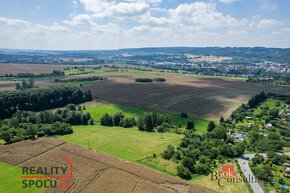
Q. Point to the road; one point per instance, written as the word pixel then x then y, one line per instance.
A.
pixel 244 165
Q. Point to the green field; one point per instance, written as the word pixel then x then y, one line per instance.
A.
pixel 107 71
pixel 97 112
pixel 125 143
pixel 10 181
pixel 75 71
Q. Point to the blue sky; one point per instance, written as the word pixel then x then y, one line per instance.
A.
pixel 113 24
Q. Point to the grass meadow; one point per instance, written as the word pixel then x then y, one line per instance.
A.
pixel 10 180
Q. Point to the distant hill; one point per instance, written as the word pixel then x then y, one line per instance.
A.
pixel 238 54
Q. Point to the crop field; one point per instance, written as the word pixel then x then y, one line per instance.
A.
pixel 92 171
pixel 205 98
pixel 29 68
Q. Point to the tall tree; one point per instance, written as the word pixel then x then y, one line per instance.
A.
pixel 210 126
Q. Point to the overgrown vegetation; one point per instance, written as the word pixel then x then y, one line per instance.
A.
pixel 150 80
pixel 27 124
pixel 80 79
pixel 263 121
pixel 32 75
pixel 150 121
pixel 37 99
pixel 117 120
pixel 25 84
pixel 198 154
pixel 271 170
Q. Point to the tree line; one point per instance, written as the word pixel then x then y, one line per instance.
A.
pixel 117 120
pixel 151 121
pixel 257 99
pixel 82 79
pixel 27 124
pixel 25 84
pixel 32 75
pixel 37 99
pixel 150 80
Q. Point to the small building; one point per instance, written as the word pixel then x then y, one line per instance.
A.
pixel 283 122
pixel 240 136
pixel 268 126
pixel 287 175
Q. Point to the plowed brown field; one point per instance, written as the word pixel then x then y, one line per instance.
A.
pixel 208 98
pixel 93 172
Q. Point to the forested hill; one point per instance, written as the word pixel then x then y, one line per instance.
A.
pixel 239 54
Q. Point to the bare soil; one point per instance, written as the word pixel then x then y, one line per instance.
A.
pixel 207 98
pixel 92 171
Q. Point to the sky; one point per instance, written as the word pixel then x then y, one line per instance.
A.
pixel 114 24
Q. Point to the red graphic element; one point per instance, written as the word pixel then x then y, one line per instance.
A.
pixel 228 170
pixel 65 184
pixel 55 177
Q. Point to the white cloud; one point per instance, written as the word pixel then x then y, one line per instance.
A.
pixel 286 30
pixel 46 29
pixel 129 9
pixel 80 19
pixel 148 28
pixel 95 5
pixel 268 23
pixel 154 21
pixel 154 1
pixel 103 8
pixel 228 1
pixel 146 1
pixel 139 23
pixel 109 28
pixel 13 22
pixel 202 14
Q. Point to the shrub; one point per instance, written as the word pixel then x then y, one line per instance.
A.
pixel 168 153
pixel 183 172
pixel 106 120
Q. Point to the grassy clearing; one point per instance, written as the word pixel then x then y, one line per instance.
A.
pixel 206 181
pixel 11 181
pixel 271 103
pixel 99 110
pixel 125 143
pixel 160 164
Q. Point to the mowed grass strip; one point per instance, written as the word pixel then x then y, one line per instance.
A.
pixel 98 111
pixel 125 143
pixel 232 187
pixel 11 182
